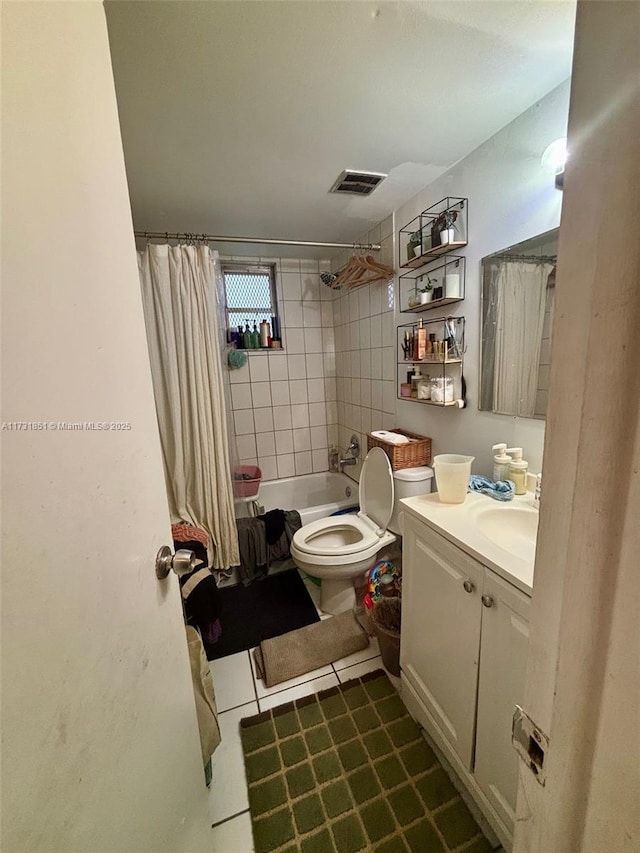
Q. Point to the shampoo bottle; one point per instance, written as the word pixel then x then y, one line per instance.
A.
pixel 500 462
pixel 518 470
pixel 246 337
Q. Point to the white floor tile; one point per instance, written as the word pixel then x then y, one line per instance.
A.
pixel 306 689
pixel 360 669
pixel 232 681
pixel 228 791
pixel 263 691
pixel 234 836
pixel 372 651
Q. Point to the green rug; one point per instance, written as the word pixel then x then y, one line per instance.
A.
pixel 348 770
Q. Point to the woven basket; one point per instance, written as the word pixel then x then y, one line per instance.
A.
pixel 412 455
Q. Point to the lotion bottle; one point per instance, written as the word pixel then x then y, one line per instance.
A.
pixel 500 462
pixel 518 470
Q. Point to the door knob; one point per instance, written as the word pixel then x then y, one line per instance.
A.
pixel 183 562
pixel 487 600
pixel 469 586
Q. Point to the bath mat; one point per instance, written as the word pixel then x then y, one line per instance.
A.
pixel 348 770
pixel 268 608
pixel 309 648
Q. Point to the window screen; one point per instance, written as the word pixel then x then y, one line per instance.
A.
pixel 250 293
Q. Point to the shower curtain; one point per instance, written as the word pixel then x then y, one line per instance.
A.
pixel 520 299
pixel 178 294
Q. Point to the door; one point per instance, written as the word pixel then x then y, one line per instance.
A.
pixel 100 741
pixel 504 649
pixel 441 632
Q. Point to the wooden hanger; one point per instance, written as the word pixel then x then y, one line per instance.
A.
pixel 360 270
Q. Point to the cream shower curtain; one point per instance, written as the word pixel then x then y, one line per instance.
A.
pixel 520 300
pixel 178 294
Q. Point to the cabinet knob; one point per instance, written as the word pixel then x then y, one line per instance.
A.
pixel 469 586
pixel 487 600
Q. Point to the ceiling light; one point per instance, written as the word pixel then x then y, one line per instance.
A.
pixel 554 158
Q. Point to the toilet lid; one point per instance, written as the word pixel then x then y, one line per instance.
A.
pixel 376 488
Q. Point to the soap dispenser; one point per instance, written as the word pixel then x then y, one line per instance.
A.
pixel 500 462
pixel 518 470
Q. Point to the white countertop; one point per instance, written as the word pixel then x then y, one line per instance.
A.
pixel 455 523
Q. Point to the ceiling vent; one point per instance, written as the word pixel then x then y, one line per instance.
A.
pixel 357 183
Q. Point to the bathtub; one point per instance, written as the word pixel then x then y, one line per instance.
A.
pixel 313 495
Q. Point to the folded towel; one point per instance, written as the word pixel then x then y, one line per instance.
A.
pixel 502 490
pixel 391 437
pixel 309 648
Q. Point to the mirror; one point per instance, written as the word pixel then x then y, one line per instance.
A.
pixel 518 294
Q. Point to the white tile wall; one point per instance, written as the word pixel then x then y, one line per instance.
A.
pixel 334 377
pixel 365 356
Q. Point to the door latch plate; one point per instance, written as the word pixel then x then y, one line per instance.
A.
pixel 530 742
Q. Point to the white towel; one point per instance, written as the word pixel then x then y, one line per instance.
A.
pixel 391 437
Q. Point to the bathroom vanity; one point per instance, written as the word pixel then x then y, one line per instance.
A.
pixel 467 582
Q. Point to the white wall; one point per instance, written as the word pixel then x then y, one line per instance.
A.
pixel 284 401
pixel 511 199
pixel 365 352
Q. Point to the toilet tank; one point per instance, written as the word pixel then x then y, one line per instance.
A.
pixel 407 483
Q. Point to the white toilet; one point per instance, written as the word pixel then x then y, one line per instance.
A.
pixel 340 548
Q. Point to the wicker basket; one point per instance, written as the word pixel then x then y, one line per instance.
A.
pixel 412 455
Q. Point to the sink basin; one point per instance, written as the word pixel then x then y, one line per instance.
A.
pixel 513 528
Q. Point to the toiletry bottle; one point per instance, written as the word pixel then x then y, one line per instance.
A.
pixel 518 470
pixel 265 334
pixel 255 337
pixel 417 376
pixel 246 337
pixel 422 341
pixel 500 462
pixel 538 492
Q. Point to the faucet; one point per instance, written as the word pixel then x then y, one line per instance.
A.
pixel 352 454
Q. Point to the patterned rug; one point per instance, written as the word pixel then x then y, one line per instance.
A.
pixel 348 770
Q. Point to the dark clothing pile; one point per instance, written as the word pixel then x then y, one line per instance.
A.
pixel 264 539
pixel 200 595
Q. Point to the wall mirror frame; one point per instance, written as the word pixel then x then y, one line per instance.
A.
pixel 518 296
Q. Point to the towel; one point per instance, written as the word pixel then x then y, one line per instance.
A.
pixel 390 437
pixel 502 490
pixel 307 649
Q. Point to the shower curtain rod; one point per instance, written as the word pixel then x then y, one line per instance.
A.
pixel 210 238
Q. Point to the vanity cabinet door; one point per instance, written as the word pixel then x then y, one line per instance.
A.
pixel 440 639
pixel 503 664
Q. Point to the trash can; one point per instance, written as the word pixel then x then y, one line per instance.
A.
pixel 385 618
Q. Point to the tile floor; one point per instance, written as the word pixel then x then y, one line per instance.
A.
pixel 239 694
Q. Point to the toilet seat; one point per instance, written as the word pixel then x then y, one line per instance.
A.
pixel 346 538
pixel 340 534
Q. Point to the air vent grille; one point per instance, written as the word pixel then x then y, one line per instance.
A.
pixel 357 183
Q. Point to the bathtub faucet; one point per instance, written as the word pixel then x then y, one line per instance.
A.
pixel 352 454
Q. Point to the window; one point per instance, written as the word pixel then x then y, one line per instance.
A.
pixel 250 293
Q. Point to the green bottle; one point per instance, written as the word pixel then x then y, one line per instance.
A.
pixel 247 337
